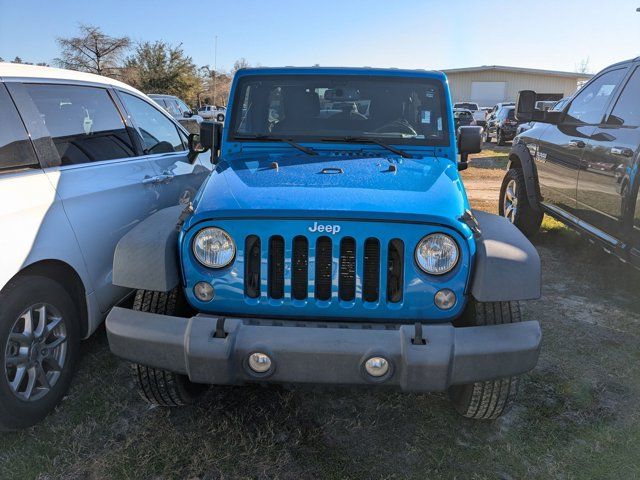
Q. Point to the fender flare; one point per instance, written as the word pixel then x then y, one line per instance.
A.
pixel 521 156
pixel 147 256
pixel 507 265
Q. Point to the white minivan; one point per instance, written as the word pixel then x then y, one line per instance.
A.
pixel 83 159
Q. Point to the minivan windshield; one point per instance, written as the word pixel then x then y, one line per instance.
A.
pixel 323 107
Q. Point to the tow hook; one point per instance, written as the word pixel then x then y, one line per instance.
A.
pixel 220 333
pixel 417 337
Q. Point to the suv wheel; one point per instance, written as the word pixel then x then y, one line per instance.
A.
pixel 157 386
pixel 514 203
pixel 40 340
pixel 500 138
pixel 220 117
pixel 487 400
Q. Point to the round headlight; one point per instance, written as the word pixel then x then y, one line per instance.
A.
pixel 437 254
pixel 213 247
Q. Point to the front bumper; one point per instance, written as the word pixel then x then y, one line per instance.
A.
pixel 323 352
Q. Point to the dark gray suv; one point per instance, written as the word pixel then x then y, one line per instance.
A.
pixel 580 164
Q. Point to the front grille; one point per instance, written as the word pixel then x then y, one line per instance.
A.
pixel 347 275
pixel 350 259
pixel 276 267
pixel 324 264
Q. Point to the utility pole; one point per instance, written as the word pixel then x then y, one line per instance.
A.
pixel 215 67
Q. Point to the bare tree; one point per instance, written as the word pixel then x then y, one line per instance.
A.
pixel 583 66
pixel 240 63
pixel 93 51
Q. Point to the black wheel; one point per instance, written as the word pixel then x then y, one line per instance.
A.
pixel 220 117
pixel 487 400
pixel 157 386
pixel 500 138
pixel 40 340
pixel 514 203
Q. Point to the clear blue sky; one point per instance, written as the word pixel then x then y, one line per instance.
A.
pixel 554 34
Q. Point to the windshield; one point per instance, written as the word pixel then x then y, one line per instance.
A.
pixel 315 107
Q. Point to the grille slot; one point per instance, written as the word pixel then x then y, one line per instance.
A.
pixel 300 268
pixel 347 271
pixel 276 267
pixel 252 266
pixel 395 271
pixel 323 268
pixel 371 270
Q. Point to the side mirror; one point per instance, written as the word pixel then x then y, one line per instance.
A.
pixel 526 106
pixel 187 114
pixel 211 138
pixel 526 109
pixel 469 141
pixel 195 144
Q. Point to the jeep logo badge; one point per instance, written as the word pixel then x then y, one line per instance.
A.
pixel 332 229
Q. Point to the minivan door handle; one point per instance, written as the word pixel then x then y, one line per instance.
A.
pixel 150 180
pixel 622 152
pixel 577 144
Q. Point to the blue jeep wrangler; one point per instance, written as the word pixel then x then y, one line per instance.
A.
pixel 333 243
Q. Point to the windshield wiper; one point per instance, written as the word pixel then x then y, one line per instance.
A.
pixel 375 141
pixel 269 138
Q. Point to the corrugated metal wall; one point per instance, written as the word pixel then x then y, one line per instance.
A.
pixel 460 83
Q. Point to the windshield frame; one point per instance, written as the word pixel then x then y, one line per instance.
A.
pixel 233 135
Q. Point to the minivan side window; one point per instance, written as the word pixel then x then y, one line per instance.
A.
pixel 83 122
pixel 16 150
pixel 589 104
pixel 158 133
pixel 627 109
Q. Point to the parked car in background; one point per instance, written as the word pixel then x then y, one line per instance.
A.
pixel 474 108
pixel 462 118
pixel 212 112
pixel 83 159
pixel 580 163
pixel 502 125
pixel 179 110
pixel 556 107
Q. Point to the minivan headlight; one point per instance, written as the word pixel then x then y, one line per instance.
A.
pixel 213 247
pixel 437 254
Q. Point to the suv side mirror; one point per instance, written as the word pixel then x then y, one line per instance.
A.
pixel 187 114
pixel 211 138
pixel 469 141
pixel 526 110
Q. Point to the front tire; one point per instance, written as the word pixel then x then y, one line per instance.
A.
pixel 220 117
pixel 39 342
pixel 500 138
pixel 491 399
pixel 514 203
pixel 156 386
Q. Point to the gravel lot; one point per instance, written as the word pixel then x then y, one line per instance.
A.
pixel 578 415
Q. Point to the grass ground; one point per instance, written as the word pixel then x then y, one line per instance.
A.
pixel 577 418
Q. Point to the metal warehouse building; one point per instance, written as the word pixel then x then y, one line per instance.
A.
pixel 488 85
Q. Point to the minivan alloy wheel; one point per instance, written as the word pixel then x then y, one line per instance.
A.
pixel 35 352
pixel 511 201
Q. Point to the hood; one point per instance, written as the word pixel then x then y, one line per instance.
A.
pixel 337 186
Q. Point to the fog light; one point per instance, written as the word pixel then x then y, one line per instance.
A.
pixel 376 366
pixel 259 362
pixel 203 291
pixel 445 299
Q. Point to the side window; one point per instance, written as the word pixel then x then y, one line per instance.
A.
pixel 627 109
pixel 16 150
pixel 83 122
pixel 589 104
pixel 158 133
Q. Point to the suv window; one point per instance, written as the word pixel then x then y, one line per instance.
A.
pixel 627 109
pixel 83 122
pixel 158 133
pixel 467 106
pixel 16 150
pixel 589 104
pixel 183 107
